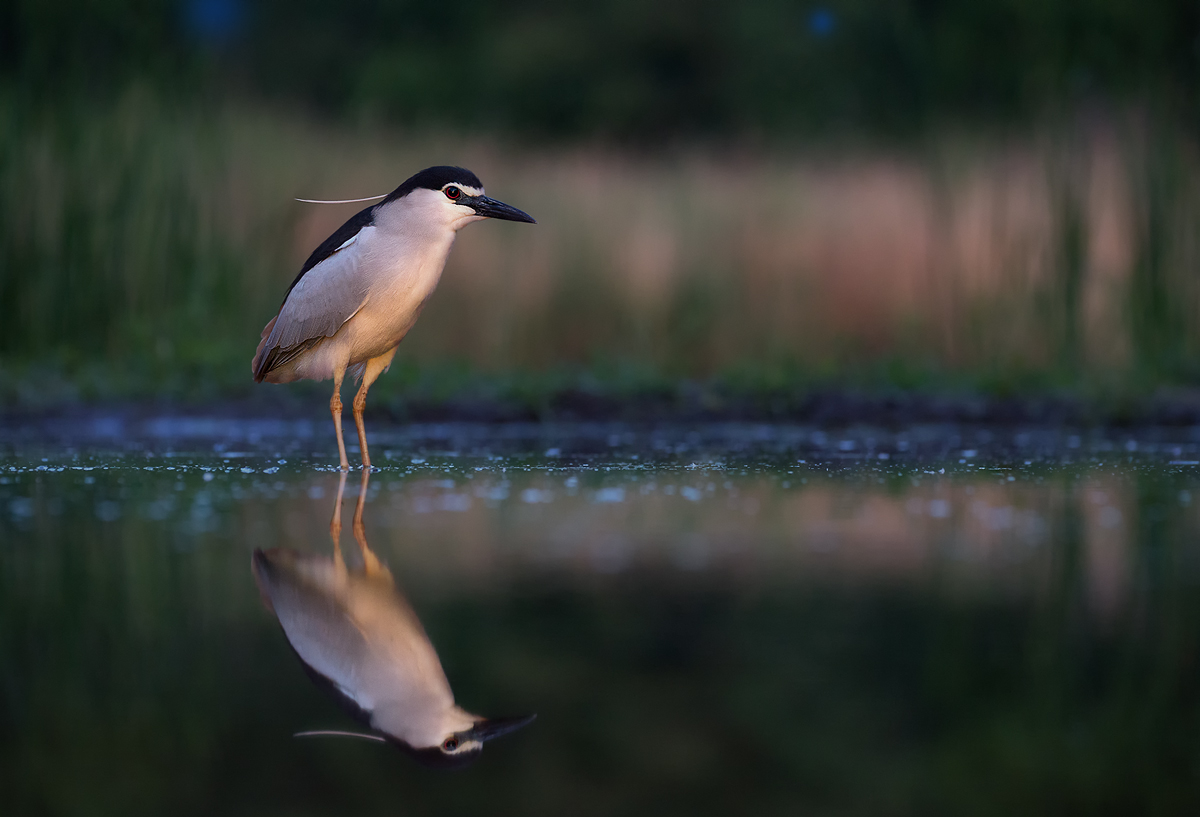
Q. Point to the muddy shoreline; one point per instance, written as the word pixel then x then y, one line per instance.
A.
pixel 826 408
pixel 825 426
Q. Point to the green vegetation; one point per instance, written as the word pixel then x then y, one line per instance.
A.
pixel 1016 209
pixel 623 69
pixel 144 245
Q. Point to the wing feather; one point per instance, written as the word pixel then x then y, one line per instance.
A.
pixel 321 300
pixel 355 631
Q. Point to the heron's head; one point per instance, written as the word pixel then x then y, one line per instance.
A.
pixel 449 196
pixel 463 747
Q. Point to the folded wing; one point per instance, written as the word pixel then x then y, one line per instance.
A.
pixel 319 303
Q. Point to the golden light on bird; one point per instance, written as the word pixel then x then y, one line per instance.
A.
pixel 364 287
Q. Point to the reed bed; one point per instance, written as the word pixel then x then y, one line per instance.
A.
pixel 143 246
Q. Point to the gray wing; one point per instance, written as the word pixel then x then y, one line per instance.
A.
pixel 357 633
pixel 321 301
pixel 315 621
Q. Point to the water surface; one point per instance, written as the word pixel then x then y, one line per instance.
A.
pixel 706 619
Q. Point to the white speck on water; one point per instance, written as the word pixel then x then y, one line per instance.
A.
pixel 970 453
pixel 553 452
pixel 272 470
pixel 493 495
pixel 417 460
pixel 533 496
pixel 606 495
pixel 690 494
pixel 209 476
pixel 247 470
pixel 883 455
pixel 455 502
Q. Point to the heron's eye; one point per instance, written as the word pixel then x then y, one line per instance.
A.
pixel 453 193
pixel 450 744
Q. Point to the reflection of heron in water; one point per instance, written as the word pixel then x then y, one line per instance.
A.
pixel 358 637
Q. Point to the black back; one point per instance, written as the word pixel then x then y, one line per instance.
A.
pixel 363 218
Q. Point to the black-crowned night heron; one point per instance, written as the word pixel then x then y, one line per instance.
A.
pixel 360 292
pixel 359 639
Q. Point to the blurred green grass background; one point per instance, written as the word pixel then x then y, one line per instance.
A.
pixel 941 195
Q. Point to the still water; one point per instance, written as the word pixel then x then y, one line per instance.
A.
pixel 705 620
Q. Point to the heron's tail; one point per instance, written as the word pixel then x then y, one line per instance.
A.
pixel 258 366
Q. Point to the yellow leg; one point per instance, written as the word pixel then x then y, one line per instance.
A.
pixel 375 367
pixel 371 563
pixel 335 525
pixel 335 408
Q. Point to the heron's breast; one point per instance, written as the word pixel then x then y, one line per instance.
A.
pixel 402 280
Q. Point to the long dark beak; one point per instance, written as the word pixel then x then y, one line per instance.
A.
pixel 490 208
pixel 489 728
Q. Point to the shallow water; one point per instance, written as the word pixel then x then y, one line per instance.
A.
pixel 706 619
